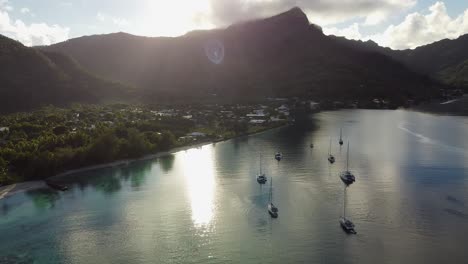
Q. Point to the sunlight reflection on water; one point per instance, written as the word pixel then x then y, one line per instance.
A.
pixel 198 171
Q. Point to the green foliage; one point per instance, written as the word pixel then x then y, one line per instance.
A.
pixel 60 130
pixel 50 140
pixel 3 170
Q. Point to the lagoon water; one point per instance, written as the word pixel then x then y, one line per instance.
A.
pixel 409 202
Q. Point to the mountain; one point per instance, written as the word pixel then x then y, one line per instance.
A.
pixel 283 55
pixel 30 78
pixel 445 60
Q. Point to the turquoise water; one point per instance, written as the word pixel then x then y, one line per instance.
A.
pixel 409 202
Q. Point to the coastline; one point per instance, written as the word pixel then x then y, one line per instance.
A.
pixel 12 189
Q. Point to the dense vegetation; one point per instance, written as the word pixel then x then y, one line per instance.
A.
pixel 30 78
pixel 40 144
pixel 45 142
pixel 279 56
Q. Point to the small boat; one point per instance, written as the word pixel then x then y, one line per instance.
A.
pixel 272 209
pixel 341 137
pixel 278 156
pixel 346 223
pixel 56 186
pixel 311 145
pixel 346 176
pixel 261 178
pixel 331 158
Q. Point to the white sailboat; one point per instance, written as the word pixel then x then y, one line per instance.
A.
pixel 331 158
pixel 261 178
pixel 272 209
pixel 346 223
pixel 278 156
pixel 346 176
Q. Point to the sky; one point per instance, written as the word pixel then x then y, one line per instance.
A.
pixel 399 24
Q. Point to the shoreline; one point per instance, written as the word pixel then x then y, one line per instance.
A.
pixel 15 188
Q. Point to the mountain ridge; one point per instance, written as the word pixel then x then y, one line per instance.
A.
pixel 443 60
pixel 283 55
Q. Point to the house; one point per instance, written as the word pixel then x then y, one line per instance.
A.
pixel 197 134
pixel 282 108
pixel 276 119
pixel 314 105
pixel 256 121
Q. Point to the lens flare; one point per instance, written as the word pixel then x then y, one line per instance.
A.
pixel 214 50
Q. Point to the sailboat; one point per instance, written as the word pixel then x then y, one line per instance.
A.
pixel 331 159
pixel 346 176
pixel 341 137
pixel 272 209
pixel 346 223
pixel 261 178
pixel 278 156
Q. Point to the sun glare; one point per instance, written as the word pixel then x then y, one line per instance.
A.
pixel 199 175
pixel 176 17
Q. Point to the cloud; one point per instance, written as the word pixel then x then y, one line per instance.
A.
pixel 5 5
pixel 25 10
pixel 225 12
pixel 115 20
pixel 33 34
pixel 351 32
pixel 418 29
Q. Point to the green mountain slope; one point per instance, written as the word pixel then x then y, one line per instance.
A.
pixel 30 78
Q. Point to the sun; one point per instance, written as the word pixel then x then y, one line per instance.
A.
pixel 176 17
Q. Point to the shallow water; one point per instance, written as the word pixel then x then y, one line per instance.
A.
pixel 409 202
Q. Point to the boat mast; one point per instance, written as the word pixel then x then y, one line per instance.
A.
pixel 347 158
pixel 344 203
pixel 329 148
pixel 341 133
pixel 271 190
pixel 260 164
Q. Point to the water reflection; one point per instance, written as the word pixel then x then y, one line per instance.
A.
pixel 409 203
pixel 43 198
pixel 198 172
pixel 167 163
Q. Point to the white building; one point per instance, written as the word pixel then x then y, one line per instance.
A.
pixel 257 121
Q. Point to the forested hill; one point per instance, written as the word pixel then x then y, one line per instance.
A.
pixel 282 55
pixel 30 78
pixel 445 60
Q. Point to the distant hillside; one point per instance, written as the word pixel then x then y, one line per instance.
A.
pixel 279 56
pixel 30 78
pixel 445 60
pixel 457 106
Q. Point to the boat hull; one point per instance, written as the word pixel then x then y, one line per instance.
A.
pixel 272 210
pixel 273 214
pixel 278 156
pixel 347 178
pixel 347 226
pixel 261 179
